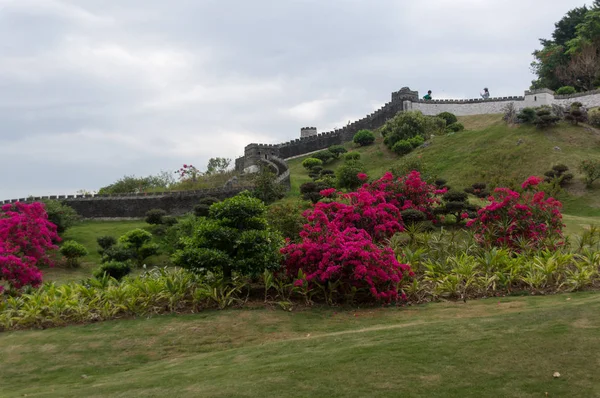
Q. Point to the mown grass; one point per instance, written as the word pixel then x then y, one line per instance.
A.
pixel 86 233
pixel 507 347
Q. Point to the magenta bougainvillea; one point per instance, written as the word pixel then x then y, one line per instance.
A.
pixel 515 220
pixel 26 238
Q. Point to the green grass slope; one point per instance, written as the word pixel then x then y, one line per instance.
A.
pixel 506 347
pixel 492 152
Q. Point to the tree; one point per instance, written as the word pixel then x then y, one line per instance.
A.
pixel 234 238
pixel 583 70
pixel 73 251
pixel 133 184
pixel 591 169
pixel 337 150
pixel 138 241
pixel 217 165
pixel 265 186
pixel 364 138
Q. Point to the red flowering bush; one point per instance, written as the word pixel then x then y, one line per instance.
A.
pixel 408 192
pixel 188 173
pixel 26 237
pixel 514 220
pixel 345 258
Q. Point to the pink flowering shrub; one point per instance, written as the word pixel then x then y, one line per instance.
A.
pixel 26 238
pixel 515 219
pixel 346 258
pixel 408 192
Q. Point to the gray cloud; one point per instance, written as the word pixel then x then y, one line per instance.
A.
pixel 91 90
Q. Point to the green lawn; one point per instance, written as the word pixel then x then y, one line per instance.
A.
pixel 86 233
pixel 507 347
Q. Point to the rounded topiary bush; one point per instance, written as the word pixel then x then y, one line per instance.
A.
pixel 155 216
pixel 106 241
pixel 450 118
pixel 350 156
pixel 114 269
pixel 594 118
pixel 566 90
pixel 417 141
pixel 73 251
pixel 203 206
pixel 402 147
pixel 412 216
pixel 455 127
pixel 309 163
pixel 364 138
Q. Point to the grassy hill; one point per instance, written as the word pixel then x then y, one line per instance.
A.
pixel 490 151
pixel 508 347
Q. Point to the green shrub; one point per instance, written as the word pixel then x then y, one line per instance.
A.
pixel 174 234
pixel 235 238
pixel 117 253
pixel 364 138
pixel 591 169
pixel 266 188
pixel 455 127
pixel 138 241
pixel 170 221
pixel 407 125
pixel 450 118
pixel 347 175
pixel 337 150
pixel 310 190
pixel 106 241
pixel 576 114
pixel 351 156
pixel 114 269
pixel 309 163
pixel 201 209
pixel 412 216
pixel 286 218
pixel 545 118
pixel 73 251
pixel 402 147
pixel 526 116
pixel 323 156
pixel 594 118
pixel 416 141
pixel 61 215
pixel 155 216
pixel 566 90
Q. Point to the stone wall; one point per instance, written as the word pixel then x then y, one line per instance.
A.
pixel 467 107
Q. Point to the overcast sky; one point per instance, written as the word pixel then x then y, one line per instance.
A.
pixel 92 90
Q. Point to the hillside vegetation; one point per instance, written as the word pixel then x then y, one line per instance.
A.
pixel 490 151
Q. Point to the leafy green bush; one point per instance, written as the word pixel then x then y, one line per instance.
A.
pixel 412 216
pixel 455 127
pixel 138 241
pixel 337 150
pixel 114 269
pixel 526 116
pixel 402 147
pixel 170 221
pixel 105 242
pixel 450 118
pixel 286 218
pixel 479 189
pixel 201 209
pixel 73 251
pixel 235 238
pixel 566 90
pixel 407 125
pixel 310 190
pixel 364 138
pixel 576 114
pixel 61 215
pixel 351 156
pixel 591 169
pixel 117 253
pixel 594 118
pixel 545 118
pixel 558 177
pixel 309 163
pixel 347 174
pixel 323 156
pixel 416 141
pixel 155 216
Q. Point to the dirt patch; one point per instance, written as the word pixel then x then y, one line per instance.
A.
pixel 584 323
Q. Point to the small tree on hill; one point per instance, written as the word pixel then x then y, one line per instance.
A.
pixel 364 138
pixel 337 150
pixel 591 169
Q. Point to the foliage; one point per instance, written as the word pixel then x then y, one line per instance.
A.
pixel 591 169
pixel 132 184
pixel 566 90
pixel 364 138
pixel 456 203
pixel 235 237
pixel 416 141
pixel 558 176
pixel 106 242
pixel 576 114
pixel 309 163
pixel 312 190
pixel 265 186
pixel 113 269
pixel 450 118
pixel 402 147
pixel 117 253
pixel 203 206
pixel 455 127
pixel 519 221
pixel 594 118
pixel 404 126
pixel 188 173
pixel 545 117
pixel 155 216
pixel 26 240
pixel 337 150
pixel 347 174
pixel 323 156
pixel 350 156
pixel 526 116
pixel 61 215
pixel 73 251
pixel 138 241
pixel 286 218
pixel 510 113
pixel 217 165
pixel 479 189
